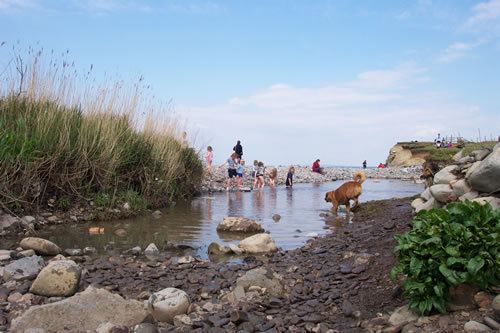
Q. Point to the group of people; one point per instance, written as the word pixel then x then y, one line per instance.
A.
pixel 236 170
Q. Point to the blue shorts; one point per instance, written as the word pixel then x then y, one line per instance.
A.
pixel 239 175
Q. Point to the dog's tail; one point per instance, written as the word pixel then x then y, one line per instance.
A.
pixel 359 176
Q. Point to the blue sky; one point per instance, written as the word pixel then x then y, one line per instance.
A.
pixel 294 80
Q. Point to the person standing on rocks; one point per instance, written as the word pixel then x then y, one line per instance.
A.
pixel 231 169
pixel 238 149
pixel 364 164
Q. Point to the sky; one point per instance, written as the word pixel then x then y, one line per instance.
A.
pixel 293 80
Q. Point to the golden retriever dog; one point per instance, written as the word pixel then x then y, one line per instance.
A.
pixel 348 191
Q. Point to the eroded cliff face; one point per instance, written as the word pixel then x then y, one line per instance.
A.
pixel 401 157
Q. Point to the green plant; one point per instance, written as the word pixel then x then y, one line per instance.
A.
pixel 135 200
pixel 102 199
pixel 105 139
pixel 63 202
pixel 447 247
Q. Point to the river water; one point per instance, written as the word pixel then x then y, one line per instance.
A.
pixel 194 223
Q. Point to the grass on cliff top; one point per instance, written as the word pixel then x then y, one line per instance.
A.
pixel 443 155
pixel 57 143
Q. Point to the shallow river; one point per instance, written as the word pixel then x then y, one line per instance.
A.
pixel 194 223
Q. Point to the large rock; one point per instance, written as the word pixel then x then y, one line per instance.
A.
pixel 217 249
pixel 417 203
pixel 428 205
pixel 475 327
pixel 167 303
pixel 8 221
pixel 23 269
pixel 442 192
pixel 469 196
pixel 493 201
pixel 260 243
pixel 402 315
pixel 486 176
pixel 83 312
pixel 426 194
pixel 471 169
pixel 40 245
pixel 480 154
pixel 264 278
pixel 59 278
pixel 239 224
pixel 460 187
pixel 495 305
pixel 445 175
pixel 151 250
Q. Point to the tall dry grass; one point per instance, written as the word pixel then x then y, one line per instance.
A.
pixel 63 136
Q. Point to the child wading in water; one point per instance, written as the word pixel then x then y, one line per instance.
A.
pixel 231 169
pixel 272 177
pixel 254 172
pixel 209 156
pixel 289 177
pixel 240 171
pixel 259 175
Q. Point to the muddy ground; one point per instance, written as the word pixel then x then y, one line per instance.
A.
pixel 323 285
pixel 336 283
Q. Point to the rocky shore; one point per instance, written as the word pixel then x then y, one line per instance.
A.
pixel 215 181
pixel 336 283
pixel 474 177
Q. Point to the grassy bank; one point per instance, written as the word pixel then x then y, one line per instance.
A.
pixel 62 147
pixel 443 155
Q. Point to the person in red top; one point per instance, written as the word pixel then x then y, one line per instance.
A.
pixel 316 167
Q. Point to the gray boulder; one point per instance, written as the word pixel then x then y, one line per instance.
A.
pixel 442 192
pixel 480 154
pixel 7 221
pixel 486 176
pixel 23 269
pixel 402 316
pixel 239 224
pixel 83 312
pixel 260 243
pixel 152 249
pixel 40 246
pixel 417 203
pixel 475 327
pixel 217 249
pixel 263 278
pixel 493 201
pixel 469 196
pixel 165 304
pixel 426 194
pixel 460 187
pixel 445 175
pixel 59 278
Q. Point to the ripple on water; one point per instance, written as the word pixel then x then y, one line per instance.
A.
pixel 194 223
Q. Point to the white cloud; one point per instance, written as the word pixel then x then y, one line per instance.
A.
pixel 458 50
pixel 485 11
pixel 342 123
pixel 15 5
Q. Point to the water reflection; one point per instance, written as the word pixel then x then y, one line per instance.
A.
pixel 194 223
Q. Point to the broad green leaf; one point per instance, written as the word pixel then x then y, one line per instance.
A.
pixel 475 264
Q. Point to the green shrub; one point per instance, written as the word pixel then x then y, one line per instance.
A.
pixel 447 247
pixel 57 141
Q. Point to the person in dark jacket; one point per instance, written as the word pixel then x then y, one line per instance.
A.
pixel 238 149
